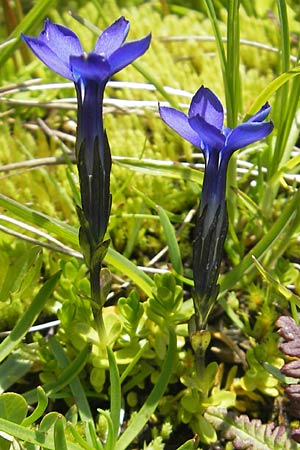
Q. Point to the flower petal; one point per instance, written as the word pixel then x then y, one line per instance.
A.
pixel 210 135
pixel 128 53
pixel 207 105
pixel 46 55
pixel 61 40
pixel 261 114
pixel 90 66
pixel 112 37
pixel 246 134
pixel 178 121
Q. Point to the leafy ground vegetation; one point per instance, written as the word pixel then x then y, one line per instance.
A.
pixel 141 387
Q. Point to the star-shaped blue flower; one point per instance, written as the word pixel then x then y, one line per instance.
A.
pixel 59 48
pixel 203 127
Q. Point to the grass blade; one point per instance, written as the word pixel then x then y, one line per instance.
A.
pixel 288 213
pixel 115 396
pixel 60 442
pixel 151 403
pixel 27 320
pixel 174 250
pixel 272 87
pixel 42 440
pixel 34 16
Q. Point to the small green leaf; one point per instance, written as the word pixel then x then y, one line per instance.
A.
pixel 191 444
pixel 13 407
pixel 60 442
pixel 39 410
pixel 48 421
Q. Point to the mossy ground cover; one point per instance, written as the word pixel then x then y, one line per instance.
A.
pixel 156 185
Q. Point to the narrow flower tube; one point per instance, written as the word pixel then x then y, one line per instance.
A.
pixel 203 127
pixel 60 49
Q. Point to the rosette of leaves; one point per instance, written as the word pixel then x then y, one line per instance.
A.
pixel 290 346
pixel 202 393
pixel 249 434
pixel 165 304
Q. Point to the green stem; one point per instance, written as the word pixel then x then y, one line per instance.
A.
pixel 97 303
pixel 200 362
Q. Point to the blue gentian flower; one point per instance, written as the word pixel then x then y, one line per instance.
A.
pixel 60 49
pixel 203 127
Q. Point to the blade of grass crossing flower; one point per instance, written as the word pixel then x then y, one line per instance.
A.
pixel 233 63
pixel 162 168
pixel 115 396
pixel 214 22
pixel 28 318
pixel 144 414
pixel 35 15
pixel 60 442
pixel 220 46
pixel 284 55
pixel 233 100
pixel 272 87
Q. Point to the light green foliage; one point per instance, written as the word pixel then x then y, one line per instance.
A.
pixel 265 223
pixel 132 311
pixel 256 377
pixel 200 394
pixel 164 308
